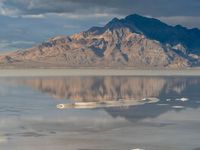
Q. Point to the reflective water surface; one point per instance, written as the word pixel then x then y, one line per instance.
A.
pixel 105 113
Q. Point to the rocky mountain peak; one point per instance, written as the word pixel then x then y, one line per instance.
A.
pixel 114 24
pixel 132 42
pixel 154 29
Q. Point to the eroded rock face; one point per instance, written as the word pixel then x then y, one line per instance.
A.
pixel 116 48
pixel 115 45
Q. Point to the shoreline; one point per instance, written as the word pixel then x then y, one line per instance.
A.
pixel 95 72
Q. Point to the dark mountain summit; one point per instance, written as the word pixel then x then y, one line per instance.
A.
pixel 156 30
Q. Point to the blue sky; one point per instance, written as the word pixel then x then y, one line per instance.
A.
pixel 28 22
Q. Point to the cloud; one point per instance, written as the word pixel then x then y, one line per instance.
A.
pixel 118 7
pixel 4 10
pixel 39 16
pixel 89 16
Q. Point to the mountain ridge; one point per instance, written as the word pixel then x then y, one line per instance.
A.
pixel 133 42
pixel 152 28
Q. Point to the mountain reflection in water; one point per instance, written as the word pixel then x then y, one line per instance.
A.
pixel 98 90
pixel 113 90
pixel 87 89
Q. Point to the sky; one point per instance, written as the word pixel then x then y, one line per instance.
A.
pixel 25 23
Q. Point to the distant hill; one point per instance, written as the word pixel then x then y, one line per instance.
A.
pixel 132 42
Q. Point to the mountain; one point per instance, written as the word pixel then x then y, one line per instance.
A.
pixel 132 42
pixel 157 30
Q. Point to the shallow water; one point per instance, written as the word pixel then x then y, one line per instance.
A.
pixel 29 118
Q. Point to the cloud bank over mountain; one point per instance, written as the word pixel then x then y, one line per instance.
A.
pixel 32 21
pixel 150 7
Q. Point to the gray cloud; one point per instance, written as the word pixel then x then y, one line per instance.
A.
pixel 155 8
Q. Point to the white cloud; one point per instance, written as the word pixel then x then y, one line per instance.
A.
pixel 84 16
pixel 8 11
pixel 39 16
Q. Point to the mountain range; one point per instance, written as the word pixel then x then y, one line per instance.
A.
pixel 132 42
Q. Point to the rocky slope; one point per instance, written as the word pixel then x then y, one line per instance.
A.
pixel 120 43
